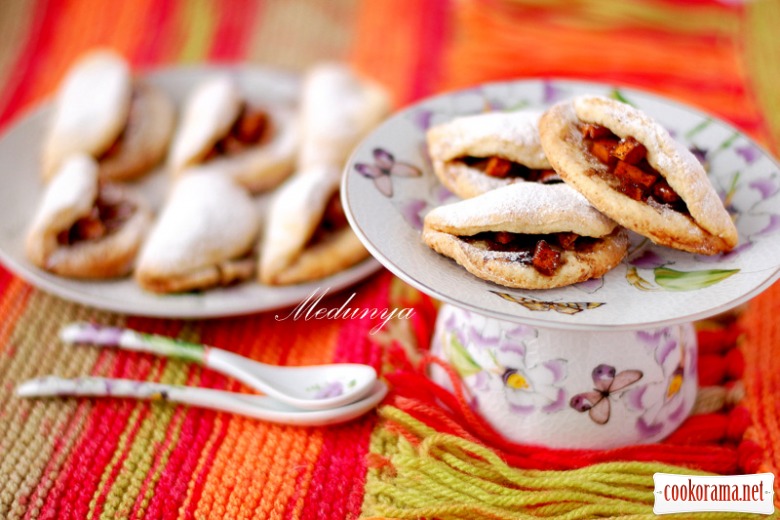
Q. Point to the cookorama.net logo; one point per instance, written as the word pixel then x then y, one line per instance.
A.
pixel 697 493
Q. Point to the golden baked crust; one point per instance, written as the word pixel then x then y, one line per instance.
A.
pixel 217 275
pixel 90 109
pixel 209 114
pixel 286 257
pixel 526 208
pixel 504 269
pixel 145 139
pixel 513 136
pixel 709 228
pixel 337 252
pixel 338 108
pixel 70 196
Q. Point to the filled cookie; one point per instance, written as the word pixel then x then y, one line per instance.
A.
pixel 204 237
pixel 101 110
pixel 528 236
pixel 223 131
pixel 631 169
pixel 307 235
pixel 84 227
pixel 338 108
pixel 477 153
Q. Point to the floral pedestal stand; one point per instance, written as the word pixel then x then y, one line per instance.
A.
pixel 598 364
pixel 570 389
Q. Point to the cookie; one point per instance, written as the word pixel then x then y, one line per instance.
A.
pixel 338 108
pixel 307 236
pixel 527 235
pixel 85 228
pixel 101 110
pixel 477 153
pixel 222 131
pixel 631 169
pixel 204 237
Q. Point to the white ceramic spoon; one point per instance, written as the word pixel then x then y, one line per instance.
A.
pixel 256 406
pixel 314 387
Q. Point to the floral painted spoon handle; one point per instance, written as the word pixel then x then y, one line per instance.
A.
pixel 317 387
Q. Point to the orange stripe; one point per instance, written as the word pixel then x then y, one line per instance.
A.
pixel 762 377
pixel 255 462
pixel 529 45
pixel 203 465
pixel 385 44
pixel 85 25
pixel 12 306
pixel 703 69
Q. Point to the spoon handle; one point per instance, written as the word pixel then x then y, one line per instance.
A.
pixel 132 340
pixel 52 386
pixel 255 406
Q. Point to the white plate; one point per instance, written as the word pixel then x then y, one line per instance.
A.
pixel 654 286
pixel 22 188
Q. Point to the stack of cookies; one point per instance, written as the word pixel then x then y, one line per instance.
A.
pixel 549 197
pixel 225 149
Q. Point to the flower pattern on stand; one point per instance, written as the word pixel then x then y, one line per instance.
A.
pixel 676 360
pixel 493 362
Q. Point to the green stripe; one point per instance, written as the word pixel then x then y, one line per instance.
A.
pixel 30 430
pixel 152 433
pixel 663 15
pixel 762 49
pixel 199 22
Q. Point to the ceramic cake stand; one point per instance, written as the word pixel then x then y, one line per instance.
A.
pixel 603 363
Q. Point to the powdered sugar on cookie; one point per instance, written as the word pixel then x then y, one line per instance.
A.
pixel 509 135
pixel 208 219
pixel 208 114
pixel 529 208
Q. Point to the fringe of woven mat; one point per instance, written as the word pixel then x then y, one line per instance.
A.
pixel 433 456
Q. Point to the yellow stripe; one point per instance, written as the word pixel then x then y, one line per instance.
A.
pixel 197 24
pixel 158 424
pixel 762 54
pixel 15 26
pixel 294 34
pixel 30 429
pixel 665 15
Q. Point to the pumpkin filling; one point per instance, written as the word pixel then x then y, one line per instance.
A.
pixel 105 218
pixel 543 252
pixel 626 162
pixel 505 169
pixel 251 127
pixel 333 221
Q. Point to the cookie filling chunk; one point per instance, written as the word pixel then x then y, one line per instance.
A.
pixel 627 166
pixel 505 169
pixel 251 127
pixel 108 214
pixel 543 252
pixel 333 220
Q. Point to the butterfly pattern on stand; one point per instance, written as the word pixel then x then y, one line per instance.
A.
pixel 606 383
pixel 532 304
pixel 384 168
